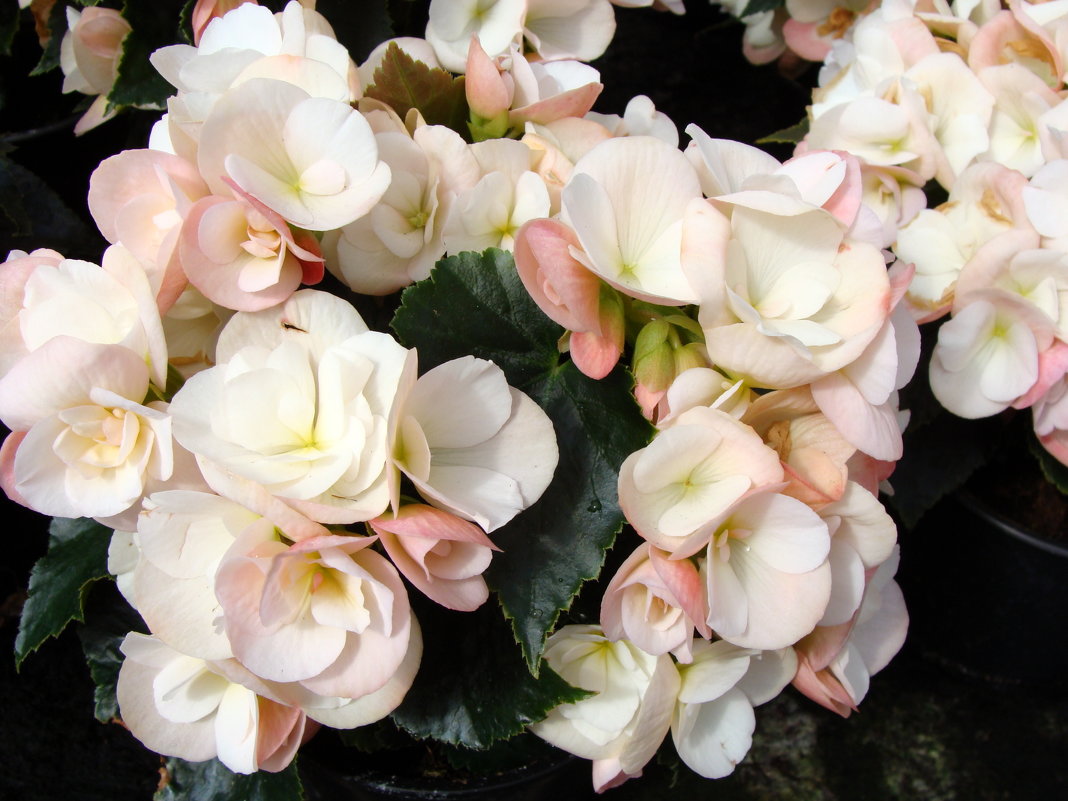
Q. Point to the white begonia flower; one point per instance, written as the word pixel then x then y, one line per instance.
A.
pixel 713 723
pixel 182 706
pixel 471 444
pixel 1025 112
pixel 299 403
pixel 769 581
pixel 788 300
pixel 690 475
pixel 180 541
pixel 452 23
pixel 402 237
pixel 625 201
pixel 563 29
pixel 312 160
pixel 111 304
pixel 507 195
pixel 640 118
pixel 987 354
pixel 85 443
pixel 623 723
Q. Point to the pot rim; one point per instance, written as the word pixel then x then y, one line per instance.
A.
pixel 1013 529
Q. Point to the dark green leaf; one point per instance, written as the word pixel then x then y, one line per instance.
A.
pixel 185 21
pixel 361 27
pixel 786 136
pixel 77 556
pixel 476 304
pixel 9 24
pixel 212 781
pixel 154 25
pixel 473 687
pixel 1055 472
pixel 107 624
pixel 31 213
pixel 404 83
pixel 57 26
pixel 758 6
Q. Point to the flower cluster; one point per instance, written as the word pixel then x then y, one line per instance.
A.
pixel 973 101
pixel 279 476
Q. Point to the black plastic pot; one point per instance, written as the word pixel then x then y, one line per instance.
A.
pixel 560 777
pixel 985 596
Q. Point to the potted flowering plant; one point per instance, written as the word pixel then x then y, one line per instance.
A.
pixel 605 469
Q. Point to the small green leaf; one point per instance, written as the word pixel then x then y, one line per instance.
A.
pixel 106 627
pixel 213 781
pixel 476 304
pixel 759 6
pixel 404 83
pixel 474 688
pixel 77 556
pixel 786 136
pixel 1055 472
pixel 57 26
pixel 153 25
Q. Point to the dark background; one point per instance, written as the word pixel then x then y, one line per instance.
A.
pixel 931 728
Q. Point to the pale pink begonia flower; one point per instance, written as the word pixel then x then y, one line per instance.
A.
pixel 621 726
pixel 496 23
pixel 813 452
pixel 508 194
pixel 139 198
pixel 787 299
pixel 836 663
pixel 655 603
pixel 178 705
pixel 563 29
pixel 690 475
pixel 242 255
pixel 814 24
pixel 569 294
pixel 192 327
pixel 327 612
pixel 625 201
pixel 89 57
pixel 312 160
pixel 986 356
pixel 1011 36
pixel 768 578
pixel 1045 201
pixel 723 165
pixel 14 272
pixel 986 201
pixel 402 236
pixel 1051 417
pixel 298 404
pixel 703 386
pixel 109 304
pixel 1027 117
pixel 713 722
pixel 471 444
pixel 442 555
pixel 892 197
pixel 84 445
pixel 557 146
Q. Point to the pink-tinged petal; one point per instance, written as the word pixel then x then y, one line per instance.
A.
pixel 7 466
pixel 705 233
pixel 607 773
pixel 572 103
pixel 376 705
pixel 561 285
pixel 428 522
pixel 1052 366
pixel 281 732
pixel 822 687
pixel 487 93
pixel 713 737
pixel 595 355
pixel 872 429
pixel 463 594
pixel 683 580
